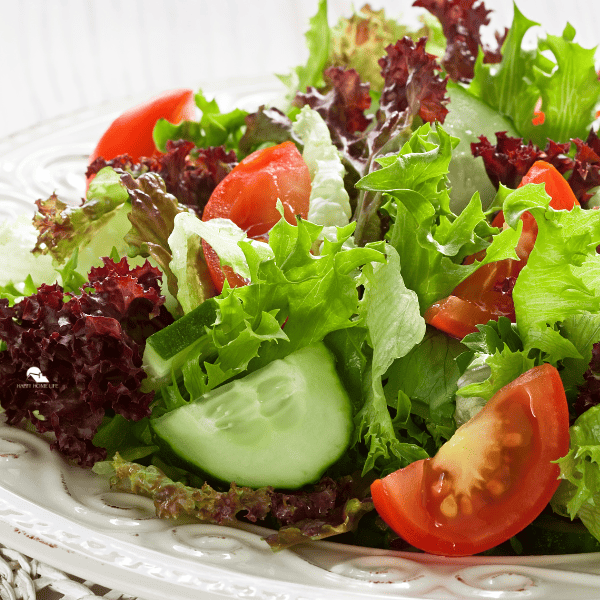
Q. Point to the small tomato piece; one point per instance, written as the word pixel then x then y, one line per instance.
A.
pixel 486 294
pixel 491 479
pixel 248 196
pixel 131 132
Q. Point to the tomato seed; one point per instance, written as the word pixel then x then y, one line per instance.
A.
pixel 466 506
pixel 512 440
pixel 449 507
pixel 495 487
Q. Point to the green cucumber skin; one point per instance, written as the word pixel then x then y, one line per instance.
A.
pixel 281 426
pixel 167 350
pixel 550 534
pixel 185 331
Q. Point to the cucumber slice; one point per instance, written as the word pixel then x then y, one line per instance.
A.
pixel 551 534
pixel 280 426
pixel 167 349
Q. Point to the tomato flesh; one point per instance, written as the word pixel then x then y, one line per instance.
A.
pixel 485 295
pixel 491 479
pixel 249 194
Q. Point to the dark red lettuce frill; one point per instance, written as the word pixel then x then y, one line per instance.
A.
pixel 86 352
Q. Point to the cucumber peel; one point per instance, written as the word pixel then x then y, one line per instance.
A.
pixel 167 350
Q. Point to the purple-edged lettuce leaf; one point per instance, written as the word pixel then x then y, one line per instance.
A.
pixel 268 125
pixel 345 520
pixel 461 21
pixel 100 220
pixel 508 160
pixel 173 499
pixel 413 93
pixel 329 509
pixel 152 217
pixel 190 173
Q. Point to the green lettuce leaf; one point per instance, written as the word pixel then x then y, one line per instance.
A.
pixel 506 365
pixel 329 203
pixel 567 86
pixel 318 40
pixel 430 239
pixel 556 297
pixel 428 375
pixel 579 493
pixel 562 275
pixel 390 311
pixel 214 128
pixel 294 298
pixel 187 259
pixel 17 240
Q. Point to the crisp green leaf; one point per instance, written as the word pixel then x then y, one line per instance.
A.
pixel 579 493
pixel 562 275
pixel 430 240
pixel 507 87
pixel 390 312
pixel 506 365
pixel 318 40
pixel 428 374
pixel 212 129
pixel 567 86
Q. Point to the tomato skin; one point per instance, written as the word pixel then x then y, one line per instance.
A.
pixel 248 196
pixel 131 132
pixel 480 300
pixel 531 410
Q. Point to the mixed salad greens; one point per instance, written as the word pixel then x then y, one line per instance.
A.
pixel 372 311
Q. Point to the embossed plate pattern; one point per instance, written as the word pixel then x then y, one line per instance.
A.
pixel 69 518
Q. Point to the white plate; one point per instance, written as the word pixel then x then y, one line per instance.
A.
pixel 69 518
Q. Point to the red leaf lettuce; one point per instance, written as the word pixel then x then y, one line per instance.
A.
pixel 88 348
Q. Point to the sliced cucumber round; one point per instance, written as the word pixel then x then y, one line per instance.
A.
pixel 280 426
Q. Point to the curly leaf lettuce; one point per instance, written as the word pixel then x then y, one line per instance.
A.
pixel 429 238
pixel 562 274
pixel 318 40
pixel 390 312
pixel 102 216
pixel 213 129
pixel 567 86
pixel 579 492
pixel 293 299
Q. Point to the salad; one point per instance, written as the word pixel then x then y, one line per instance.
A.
pixel 370 312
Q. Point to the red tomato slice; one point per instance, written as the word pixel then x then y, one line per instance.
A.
pixel 483 295
pixel 248 196
pixel 491 479
pixel 131 132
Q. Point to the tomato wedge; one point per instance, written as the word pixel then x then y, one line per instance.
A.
pixel 484 296
pixel 491 479
pixel 248 196
pixel 131 132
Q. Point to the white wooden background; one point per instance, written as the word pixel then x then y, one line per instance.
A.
pixel 60 55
